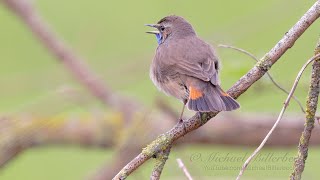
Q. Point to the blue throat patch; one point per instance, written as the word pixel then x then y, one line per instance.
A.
pixel 159 38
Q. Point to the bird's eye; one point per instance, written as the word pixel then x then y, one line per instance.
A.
pixel 161 28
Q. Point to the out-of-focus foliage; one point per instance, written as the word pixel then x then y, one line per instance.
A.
pixel 110 35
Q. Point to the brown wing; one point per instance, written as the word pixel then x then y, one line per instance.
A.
pixel 193 57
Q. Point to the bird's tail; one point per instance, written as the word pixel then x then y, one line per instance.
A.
pixel 210 98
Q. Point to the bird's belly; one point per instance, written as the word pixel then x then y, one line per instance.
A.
pixel 169 86
pixel 174 89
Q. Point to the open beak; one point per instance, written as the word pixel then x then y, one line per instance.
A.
pixel 153 32
pixel 154 26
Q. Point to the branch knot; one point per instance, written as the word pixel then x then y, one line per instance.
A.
pixel 158 145
pixel 264 64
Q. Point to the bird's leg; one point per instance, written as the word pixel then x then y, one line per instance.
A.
pixel 180 119
pixel 184 104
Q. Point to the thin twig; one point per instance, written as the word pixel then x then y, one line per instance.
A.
pixel 199 119
pixel 286 104
pixel 184 169
pixel 268 74
pixel 312 103
pixel 240 50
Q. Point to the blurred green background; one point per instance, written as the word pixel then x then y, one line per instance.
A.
pixel 110 36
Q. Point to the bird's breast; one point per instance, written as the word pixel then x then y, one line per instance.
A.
pixel 155 75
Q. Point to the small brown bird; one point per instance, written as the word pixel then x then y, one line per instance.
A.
pixel 187 68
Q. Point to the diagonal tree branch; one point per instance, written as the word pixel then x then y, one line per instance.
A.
pixel 312 103
pixel 268 74
pixel 199 119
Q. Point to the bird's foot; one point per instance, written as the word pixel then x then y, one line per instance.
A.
pixel 180 120
pixel 184 126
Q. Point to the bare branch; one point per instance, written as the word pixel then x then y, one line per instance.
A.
pixel 131 166
pixel 312 103
pixel 184 169
pixel 268 74
pixel 236 90
pixel 286 104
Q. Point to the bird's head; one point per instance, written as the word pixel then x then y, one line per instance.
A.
pixel 171 27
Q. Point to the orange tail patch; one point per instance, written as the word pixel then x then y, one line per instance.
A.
pixel 194 93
